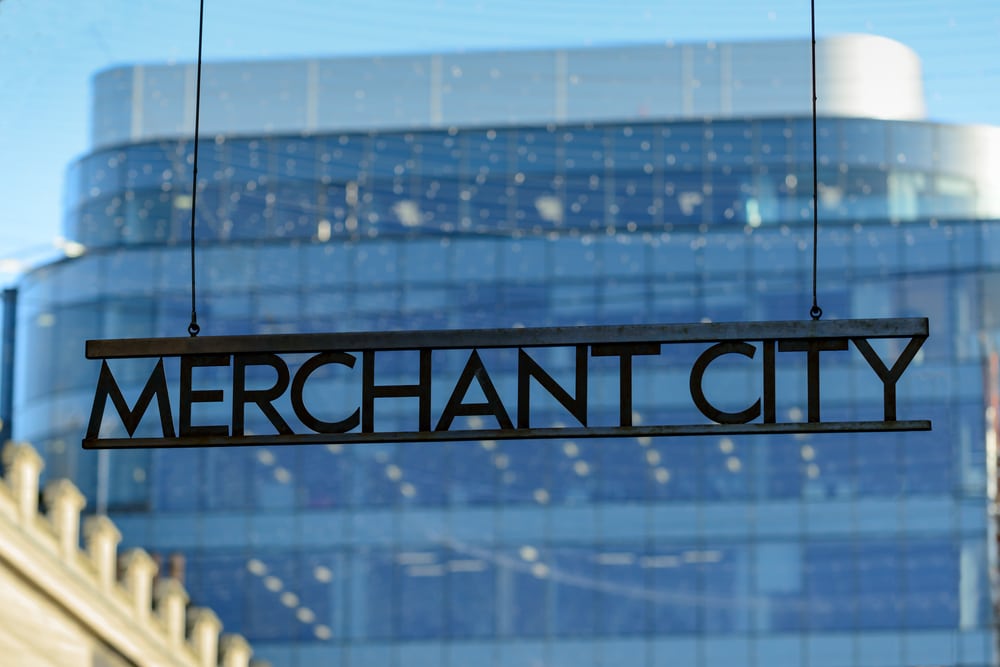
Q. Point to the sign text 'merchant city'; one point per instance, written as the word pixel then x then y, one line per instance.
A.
pixel 774 342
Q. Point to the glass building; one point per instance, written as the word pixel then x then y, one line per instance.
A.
pixel 664 184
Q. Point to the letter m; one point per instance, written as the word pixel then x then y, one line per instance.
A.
pixel 106 386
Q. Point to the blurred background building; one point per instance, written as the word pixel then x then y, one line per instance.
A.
pixel 530 188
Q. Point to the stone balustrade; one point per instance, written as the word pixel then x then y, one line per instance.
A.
pixel 142 616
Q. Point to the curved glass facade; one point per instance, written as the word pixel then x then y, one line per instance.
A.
pixel 865 549
pixel 599 179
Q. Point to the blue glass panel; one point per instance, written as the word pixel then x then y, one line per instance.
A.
pixel 440 204
pixel 789 142
pixel 683 146
pixel 128 480
pixel 931 297
pixel 372 485
pixel 227 478
pixel 727 195
pixel 421 576
pixel 675 465
pixel 931 577
pixel 675 588
pixel 440 154
pixel 324 477
pixel 585 201
pixel 778 579
pixel 371 596
pixel 423 471
pixel 830 571
pixel 584 150
pixel 523 581
pixel 176 479
pixel 145 164
pixel 427 260
pixel 474 470
pixel 272 588
pixel 623 595
pixel 880 580
pixel 526 472
pixel 322 607
pixel 538 202
pixel 636 204
pixel 625 255
pixel 489 203
pixel 378 198
pixel 574 591
pixel 390 155
pixel 296 158
pixel 100 173
pixel 341 158
pixel 220 581
pixel 536 152
pixel 866 195
pixel 781 469
pixel 274 475
pixel 96 227
pixel 634 148
pixel 249 162
pixel 731 143
pixel 377 264
pixel 472 593
pixel 472 260
pixel 484 152
pixel 912 145
pixel 880 472
pixel 862 142
pixel 723 572
pixel 574 473
pixel 294 213
pixel 71 323
pixel 524 260
pixel 929 459
pixel 774 147
pixel 624 473
pixel 830 467
pixel 684 198
pixel 729 469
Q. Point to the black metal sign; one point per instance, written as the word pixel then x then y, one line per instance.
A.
pixel 356 421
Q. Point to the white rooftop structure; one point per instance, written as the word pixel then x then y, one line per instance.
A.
pixel 857 76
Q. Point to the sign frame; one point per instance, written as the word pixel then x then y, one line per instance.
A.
pixel 625 342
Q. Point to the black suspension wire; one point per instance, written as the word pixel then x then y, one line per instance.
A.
pixel 815 312
pixel 193 327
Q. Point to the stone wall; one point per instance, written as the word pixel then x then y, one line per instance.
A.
pixel 94 607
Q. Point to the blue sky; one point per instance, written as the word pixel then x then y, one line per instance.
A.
pixel 49 49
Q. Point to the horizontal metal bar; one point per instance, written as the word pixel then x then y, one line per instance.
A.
pixel 129 348
pixel 509 434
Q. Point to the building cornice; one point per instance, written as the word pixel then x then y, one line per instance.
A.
pixel 42 549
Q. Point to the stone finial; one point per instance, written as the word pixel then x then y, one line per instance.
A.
pixel 171 600
pixel 102 539
pixel 22 468
pixel 205 627
pixel 65 502
pixel 235 651
pixel 140 568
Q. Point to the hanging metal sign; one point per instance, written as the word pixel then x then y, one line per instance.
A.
pixel 296 416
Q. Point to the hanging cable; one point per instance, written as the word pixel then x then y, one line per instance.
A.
pixel 193 327
pixel 815 312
